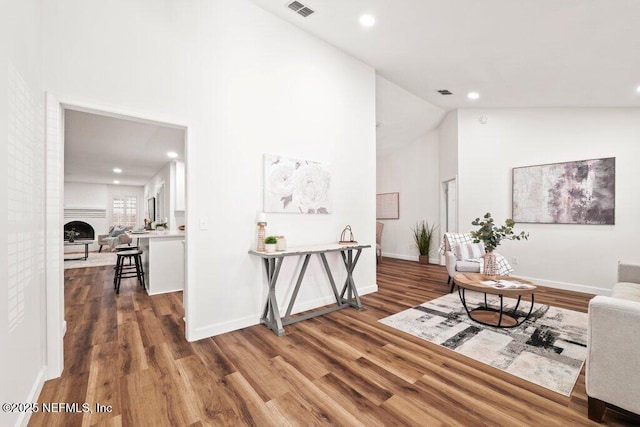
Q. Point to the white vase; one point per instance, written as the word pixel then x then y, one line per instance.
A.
pixel 282 243
pixel 270 247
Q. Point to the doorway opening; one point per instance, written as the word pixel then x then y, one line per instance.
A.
pixel 102 167
pixel 450 205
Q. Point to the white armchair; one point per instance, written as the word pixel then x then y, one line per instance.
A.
pixel 613 346
pixel 455 265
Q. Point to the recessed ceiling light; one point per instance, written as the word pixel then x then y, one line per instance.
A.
pixel 473 95
pixel 117 170
pixel 172 154
pixel 638 89
pixel 367 20
pixel 115 181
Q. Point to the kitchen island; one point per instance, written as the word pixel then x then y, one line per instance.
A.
pixel 163 260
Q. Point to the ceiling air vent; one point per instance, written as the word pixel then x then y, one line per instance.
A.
pixel 300 9
pixel 444 92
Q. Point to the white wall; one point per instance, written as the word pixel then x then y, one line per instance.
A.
pixel 22 271
pixel 245 83
pixel 580 257
pixel 412 171
pixel 448 163
pixel 79 195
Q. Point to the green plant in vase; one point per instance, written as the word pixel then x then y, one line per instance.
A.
pixel 422 236
pixel 492 235
pixel 71 235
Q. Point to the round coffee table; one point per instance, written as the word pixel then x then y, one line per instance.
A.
pixel 490 316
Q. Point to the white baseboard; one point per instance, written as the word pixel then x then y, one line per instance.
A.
pixel 544 282
pixel 432 260
pixel 568 286
pixel 254 319
pixel 34 393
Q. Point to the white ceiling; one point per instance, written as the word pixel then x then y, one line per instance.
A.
pixel 515 53
pixel 95 144
pixel 401 117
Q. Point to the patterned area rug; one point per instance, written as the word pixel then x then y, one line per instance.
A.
pixel 95 260
pixel 548 349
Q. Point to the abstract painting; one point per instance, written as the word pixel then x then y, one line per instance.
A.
pixel 580 192
pixel 296 186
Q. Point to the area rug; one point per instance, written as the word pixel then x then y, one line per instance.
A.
pixel 95 259
pixel 548 349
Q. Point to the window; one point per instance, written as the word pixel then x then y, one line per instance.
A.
pixel 124 211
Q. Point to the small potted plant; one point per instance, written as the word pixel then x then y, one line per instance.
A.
pixel 492 235
pixel 71 235
pixel 270 244
pixel 422 235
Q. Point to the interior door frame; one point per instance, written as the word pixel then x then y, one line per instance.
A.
pixel 54 119
pixel 443 207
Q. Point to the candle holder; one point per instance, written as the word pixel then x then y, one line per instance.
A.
pixel 262 233
pixel 261 219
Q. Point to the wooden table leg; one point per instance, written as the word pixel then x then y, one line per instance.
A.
pixel 271 313
pixel 349 284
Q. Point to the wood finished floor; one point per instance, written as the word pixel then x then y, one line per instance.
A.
pixel 344 368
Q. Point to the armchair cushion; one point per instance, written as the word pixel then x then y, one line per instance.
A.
pixel 466 251
pixel 626 290
pixel 117 231
pixel 468 267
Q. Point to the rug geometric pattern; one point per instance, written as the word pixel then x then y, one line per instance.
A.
pixel 548 349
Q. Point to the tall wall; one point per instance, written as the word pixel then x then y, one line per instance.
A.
pixel 245 83
pixel 412 171
pixel 22 270
pixel 580 257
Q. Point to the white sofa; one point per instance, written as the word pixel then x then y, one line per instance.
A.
pixel 613 345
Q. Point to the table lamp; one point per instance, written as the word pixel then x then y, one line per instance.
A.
pixel 261 219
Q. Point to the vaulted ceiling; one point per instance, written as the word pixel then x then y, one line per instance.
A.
pixel 514 53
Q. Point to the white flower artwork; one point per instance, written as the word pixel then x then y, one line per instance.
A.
pixel 296 186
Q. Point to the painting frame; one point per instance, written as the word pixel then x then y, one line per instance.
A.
pixel 574 192
pixel 296 186
pixel 388 206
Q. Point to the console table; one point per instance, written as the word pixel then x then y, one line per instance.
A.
pixel 272 263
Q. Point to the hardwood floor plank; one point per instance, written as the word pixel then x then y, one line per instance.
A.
pixel 103 386
pixel 346 368
pixel 132 354
pixel 355 402
pixel 213 358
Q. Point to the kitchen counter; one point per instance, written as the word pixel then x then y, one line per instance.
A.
pixel 163 260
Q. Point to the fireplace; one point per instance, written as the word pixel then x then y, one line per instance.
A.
pixel 84 230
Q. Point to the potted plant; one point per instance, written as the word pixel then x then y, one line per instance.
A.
pixel 492 235
pixel 71 235
pixel 422 234
pixel 270 243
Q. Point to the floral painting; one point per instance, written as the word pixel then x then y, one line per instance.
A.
pixel 296 186
pixel 580 192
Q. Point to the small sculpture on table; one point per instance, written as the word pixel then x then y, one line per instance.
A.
pixel 346 238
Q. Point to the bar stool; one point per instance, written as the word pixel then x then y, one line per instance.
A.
pixel 123 271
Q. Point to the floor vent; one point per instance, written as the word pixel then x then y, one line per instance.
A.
pixel 444 92
pixel 300 9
